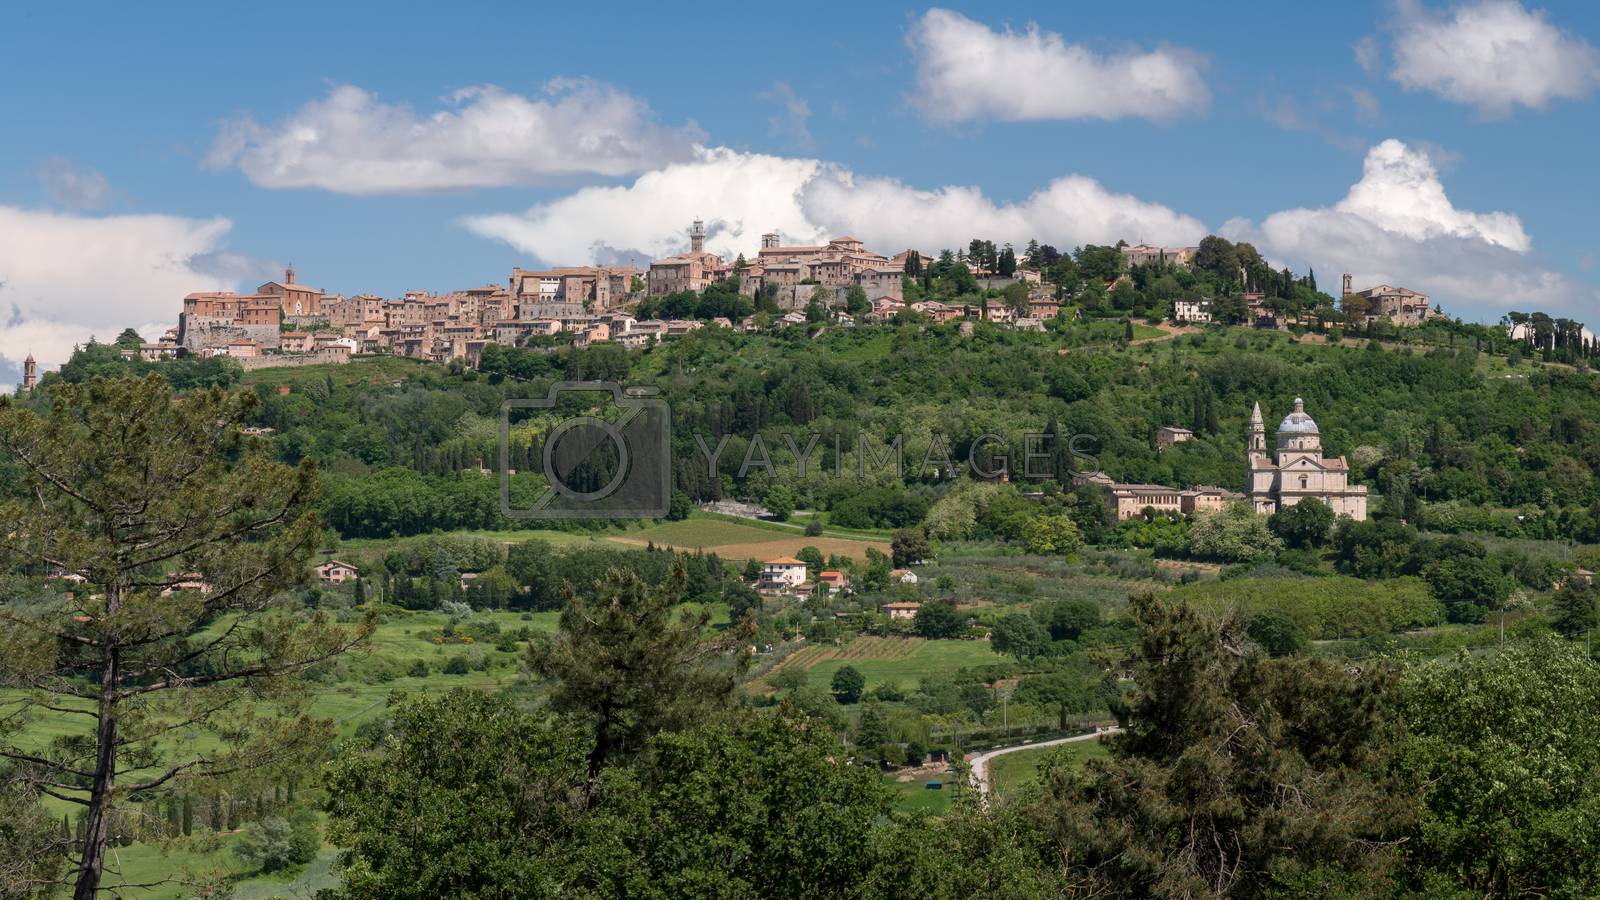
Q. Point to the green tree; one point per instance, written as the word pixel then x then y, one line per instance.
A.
pixel 780 502
pixel 32 847
pixel 1503 749
pixel 817 306
pixel 1019 634
pixel 847 684
pixel 629 665
pixel 142 494
pixel 873 731
pixel 909 546
pixel 1067 620
pixel 1052 535
pixel 1232 534
pixel 939 619
pixel 1237 776
pixel 856 301
pixel 275 843
pixel 1573 613
pixel 813 559
pixel 1276 632
pixel 1306 524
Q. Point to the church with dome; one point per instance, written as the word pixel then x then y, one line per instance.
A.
pixel 1297 470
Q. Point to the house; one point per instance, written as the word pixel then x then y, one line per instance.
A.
pixel 335 572
pixel 1167 435
pixel 784 573
pixel 1198 311
pixel 188 581
pixel 1144 255
pixel 902 609
pixel 999 311
pixel 1028 323
pixel 903 576
pixel 835 582
pixel 1044 308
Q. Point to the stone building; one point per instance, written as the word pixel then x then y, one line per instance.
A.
pixel 30 374
pixel 1144 254
pixel 1402 306
pixel 1298 470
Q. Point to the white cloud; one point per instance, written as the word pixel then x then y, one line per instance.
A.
pixel 66 277
pixel 352 143
pixel 1069 211
pixel 969 72
pixel 1397 225
pixel 73 186
pixel 742 195
pixel 1492 54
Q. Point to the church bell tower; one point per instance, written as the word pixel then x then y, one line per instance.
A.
pixel 1257 442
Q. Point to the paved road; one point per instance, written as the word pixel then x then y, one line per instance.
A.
pixel 980 762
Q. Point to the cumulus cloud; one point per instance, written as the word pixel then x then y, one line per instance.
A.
pixel 352 143
pixel 66 277
pixel 967 72
pixel 1397 225
pixel 73 186
pixel 1492 54
pixel 743 195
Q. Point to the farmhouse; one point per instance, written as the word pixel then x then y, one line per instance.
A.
pixel 902 609
pixel 336 572
pixel 784 573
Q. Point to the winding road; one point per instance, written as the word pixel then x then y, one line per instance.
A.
pixel 980 762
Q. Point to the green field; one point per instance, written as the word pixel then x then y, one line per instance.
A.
pixel 905 661
pixel 1011 772
pixel 208 859
pixel 914 795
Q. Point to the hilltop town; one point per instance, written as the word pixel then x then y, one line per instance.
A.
pixel 840 283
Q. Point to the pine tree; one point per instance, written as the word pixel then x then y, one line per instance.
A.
pixel 632 665
pixel 114 473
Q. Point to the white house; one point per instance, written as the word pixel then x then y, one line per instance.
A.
pixel 784 573
pixel 903 576
pixel 1191 311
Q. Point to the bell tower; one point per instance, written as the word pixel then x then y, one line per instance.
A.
pixel 1257 442
pixel 30 373
pixel 697 237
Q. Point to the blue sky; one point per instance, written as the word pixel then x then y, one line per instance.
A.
pixel 1174 117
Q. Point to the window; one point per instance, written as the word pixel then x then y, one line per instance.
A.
pixel 1302 482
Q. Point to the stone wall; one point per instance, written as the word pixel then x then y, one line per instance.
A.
pixel 196 332
pixel 282 360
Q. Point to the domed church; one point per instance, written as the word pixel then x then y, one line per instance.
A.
pixel 1298 470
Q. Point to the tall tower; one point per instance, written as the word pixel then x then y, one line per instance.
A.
pixel 288 274
pixel 697 237
pixel 1347 284
pixel 30 373
pixel 1257 442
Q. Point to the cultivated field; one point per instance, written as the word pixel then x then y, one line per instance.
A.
pixel 905 661
pixel 733 540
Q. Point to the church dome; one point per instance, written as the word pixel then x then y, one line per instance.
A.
pixel 1298 422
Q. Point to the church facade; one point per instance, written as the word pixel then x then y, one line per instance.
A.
pixel 1297 470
